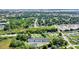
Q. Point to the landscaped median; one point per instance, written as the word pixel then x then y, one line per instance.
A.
pixel 42 29
pixel 31 30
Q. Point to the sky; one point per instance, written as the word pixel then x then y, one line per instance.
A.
pixel 39 4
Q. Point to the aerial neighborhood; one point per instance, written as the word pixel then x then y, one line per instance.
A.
pixel 39 29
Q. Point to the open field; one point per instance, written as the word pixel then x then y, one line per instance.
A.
pixel 77 47
pixel 4 44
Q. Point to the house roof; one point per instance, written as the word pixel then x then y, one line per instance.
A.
pixel 39 38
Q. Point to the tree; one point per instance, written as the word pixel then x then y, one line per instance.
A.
pixel 43 35
pixel 29 35
pixel 6 27
pixel 27 46
pixel 22 37
pixel 17 44
pixel 58 42
pixel 60 34
pixel 43 47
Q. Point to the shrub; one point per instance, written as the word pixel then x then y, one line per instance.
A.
pixel 15 43
pixel 60 34
pixel 44 46
pixel 42 29
pixel 58 42
pixel 22 37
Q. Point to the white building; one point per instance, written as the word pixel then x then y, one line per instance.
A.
pixel 38 41
pixel 3 22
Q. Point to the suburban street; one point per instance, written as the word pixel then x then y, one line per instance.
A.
pixel 35 23
pixel 66 39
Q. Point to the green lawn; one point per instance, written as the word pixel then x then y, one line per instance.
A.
pixel 77 47
pixel 5 44
pixel 75 37
pixel 37 36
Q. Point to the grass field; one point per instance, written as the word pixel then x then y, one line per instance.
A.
pixel 74 38
pixel 48 35
pixel 77 47
pixel 4 44
pixel 36 36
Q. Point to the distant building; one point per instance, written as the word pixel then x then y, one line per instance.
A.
pixel 68 26
pixel 3 22
pixel 38 41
